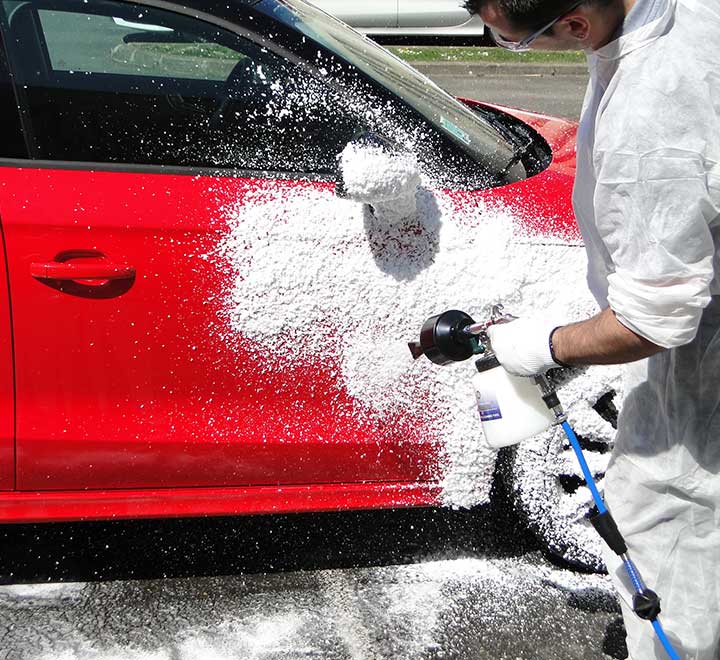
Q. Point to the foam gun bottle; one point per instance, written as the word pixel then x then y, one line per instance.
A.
pixel 512 408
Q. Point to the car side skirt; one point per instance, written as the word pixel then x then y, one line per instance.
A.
pixel 63 506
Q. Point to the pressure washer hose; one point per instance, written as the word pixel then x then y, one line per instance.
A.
pixel 453 337
pixel 645 603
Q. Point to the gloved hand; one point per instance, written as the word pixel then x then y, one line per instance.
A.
pixel 523 346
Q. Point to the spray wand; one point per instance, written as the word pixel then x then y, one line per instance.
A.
pixel 514 408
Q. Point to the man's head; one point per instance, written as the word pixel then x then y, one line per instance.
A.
pixel 552 24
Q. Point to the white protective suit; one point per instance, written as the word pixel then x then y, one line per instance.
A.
pixel 647 199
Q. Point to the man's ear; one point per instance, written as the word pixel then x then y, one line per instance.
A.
pixel 574 26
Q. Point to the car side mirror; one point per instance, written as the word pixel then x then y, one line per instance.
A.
pixel 371 170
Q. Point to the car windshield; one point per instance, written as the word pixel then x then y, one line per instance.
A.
pixel 456 121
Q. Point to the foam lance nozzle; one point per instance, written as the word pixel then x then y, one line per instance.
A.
pixel 511 408
pixel 443 338
pixel 453 336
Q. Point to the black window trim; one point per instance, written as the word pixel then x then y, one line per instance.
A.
pixel 180 170
pixel 271 45
pixel 173 170
pixel 27 135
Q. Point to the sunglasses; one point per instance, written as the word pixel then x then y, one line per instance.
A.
pixel 520 46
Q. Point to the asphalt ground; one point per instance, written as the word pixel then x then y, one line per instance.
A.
pixel 424 584
pixel 555 90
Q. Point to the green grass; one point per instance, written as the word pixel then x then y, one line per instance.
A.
pixel 408 53
pixel 467 54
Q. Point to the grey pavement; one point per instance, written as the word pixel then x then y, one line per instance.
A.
pixel 479 68
pixel 551 89
pixel 442 608
pixel 418 584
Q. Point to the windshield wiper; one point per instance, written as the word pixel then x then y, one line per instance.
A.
pixel 511 137
pixel 519 152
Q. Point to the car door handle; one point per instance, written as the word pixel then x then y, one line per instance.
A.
pixel 59 270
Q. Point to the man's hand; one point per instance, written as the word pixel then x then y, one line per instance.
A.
pixel 523 346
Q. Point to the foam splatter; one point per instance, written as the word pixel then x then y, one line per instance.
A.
pixel 343 284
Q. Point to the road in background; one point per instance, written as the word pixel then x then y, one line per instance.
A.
pixel 555 91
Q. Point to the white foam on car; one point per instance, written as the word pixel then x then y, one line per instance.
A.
pixel 393 194
pixel 343 286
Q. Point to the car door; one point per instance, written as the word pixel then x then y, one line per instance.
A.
pixel 431 13
pixel 12 145
pixel 145 128
pixel 7 403
pixel 370 14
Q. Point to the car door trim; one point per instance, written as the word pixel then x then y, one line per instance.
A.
pixel 174 170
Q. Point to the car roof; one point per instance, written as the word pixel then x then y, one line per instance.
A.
pixel 223 8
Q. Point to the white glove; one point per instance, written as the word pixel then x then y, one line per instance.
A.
pixel 523 346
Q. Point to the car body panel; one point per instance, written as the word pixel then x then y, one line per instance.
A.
pixel 544 201
pixel 432 14
pixel 7 393
pixel 175 426
pixel 370 14
pixel 136 396
pixel 28 507
pixel 142 389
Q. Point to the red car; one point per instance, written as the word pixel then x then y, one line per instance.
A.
pixel 191 321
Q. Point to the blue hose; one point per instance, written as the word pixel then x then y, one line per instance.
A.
pixel 599 503
pixel 664 640
pixel 630 567
pixel 633 574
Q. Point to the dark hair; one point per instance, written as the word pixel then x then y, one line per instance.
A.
pixel 529 14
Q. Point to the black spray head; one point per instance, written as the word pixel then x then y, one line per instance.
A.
pixel 442 339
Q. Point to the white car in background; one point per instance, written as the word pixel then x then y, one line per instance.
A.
pixel 407 18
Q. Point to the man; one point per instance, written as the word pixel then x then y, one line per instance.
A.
pixel 647 200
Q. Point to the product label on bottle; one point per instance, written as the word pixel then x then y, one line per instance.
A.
pixel 488 407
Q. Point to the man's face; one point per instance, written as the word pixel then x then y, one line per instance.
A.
pixel 559 37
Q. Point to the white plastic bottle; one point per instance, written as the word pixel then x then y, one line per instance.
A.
pixel 511 407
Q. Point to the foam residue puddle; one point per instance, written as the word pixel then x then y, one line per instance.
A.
pixel 41 594
pixel 443 606
pixel 339 284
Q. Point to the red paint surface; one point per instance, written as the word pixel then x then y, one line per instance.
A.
pixel 544 202
pixel 19 507
pixel 143 392
pixel 7 398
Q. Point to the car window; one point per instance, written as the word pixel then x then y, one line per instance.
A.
pixel 12 144
pixel 131 48
pixel 469 131
pixel 105 81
